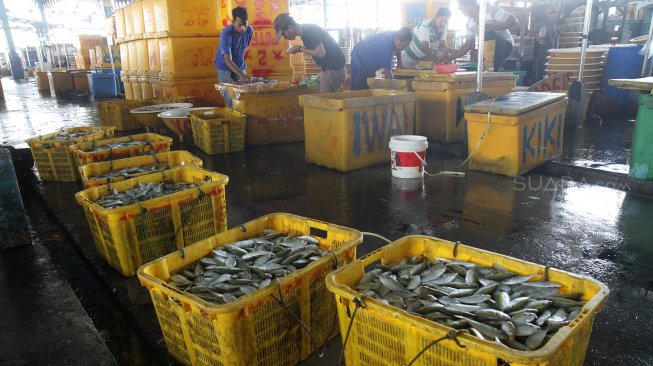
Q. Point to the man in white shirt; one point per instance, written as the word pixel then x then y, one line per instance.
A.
pixel 497 25
pixel 428 43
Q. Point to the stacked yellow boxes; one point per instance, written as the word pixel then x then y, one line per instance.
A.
pixel 265 57
pixel 298 65
pixel 86 44
pixel 104 55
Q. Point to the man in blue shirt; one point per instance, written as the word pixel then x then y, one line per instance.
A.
pixel 376 52
pixel 230 58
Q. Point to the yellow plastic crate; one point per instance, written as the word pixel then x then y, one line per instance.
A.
pixel 157 89
pixel 104 57
pixel 273 112
pixel 53 159
pixel 146 87
pixel 188 18
pixel 103 113
pixel 440 114
pixel 523 131
pixel 129 91
pixel 143 57
pixel 255 329
pixel 130 236
pixel 267 56
pixel 90 172
pixel 132 50
pixel 154 144
pixel 384 335
pixel 261 12
pixel 129 22
pixel 391 84
pixel 149 19
pixel 124 58
pixel 137 91
pixel 203 90
pixel 137 19
pixel 188 57
pixel 121 32
pixel 154 57
pixel 218 131
pixel 351 130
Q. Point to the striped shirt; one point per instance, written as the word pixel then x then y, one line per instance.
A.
pixel 425 32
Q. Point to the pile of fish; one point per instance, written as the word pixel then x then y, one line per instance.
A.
pixel 142 192
pixel 240 268
pixel 132 171
pixel 490 303
pixel 118 145
pixel 72 136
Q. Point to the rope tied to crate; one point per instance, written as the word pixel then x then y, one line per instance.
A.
pixel 283 304
pixel 480 139
pixel 360 303
pixel 453 335
pixel 183 220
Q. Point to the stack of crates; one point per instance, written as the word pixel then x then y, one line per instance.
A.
pixel 87 43
pixel 298 64
pixel 265 57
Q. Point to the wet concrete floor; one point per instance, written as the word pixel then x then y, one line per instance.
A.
pixel 586 229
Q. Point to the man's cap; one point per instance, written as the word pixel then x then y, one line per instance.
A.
pixel 280 22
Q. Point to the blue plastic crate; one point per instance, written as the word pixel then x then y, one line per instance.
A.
pixel 103 85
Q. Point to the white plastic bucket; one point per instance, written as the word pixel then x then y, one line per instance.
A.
pixel 408 154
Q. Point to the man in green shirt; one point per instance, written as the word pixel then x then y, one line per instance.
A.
pixel 428 41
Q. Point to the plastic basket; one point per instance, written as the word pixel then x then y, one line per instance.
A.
pixel 154 143
pixel 117 114
pixel 90 172
pixel 384 335
pixel 255 329
pixel 219 130
pixel 129 236
pixel 53 159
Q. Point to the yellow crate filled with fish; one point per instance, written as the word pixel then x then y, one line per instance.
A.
pixel 120 147
pixel 425 301
pixel 53 159
pixel 218 130
pixel 144 218
pixel 250 295
pixel 99 174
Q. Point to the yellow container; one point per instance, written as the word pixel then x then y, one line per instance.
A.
pixel 154 143
pixel 42 82
pixel 188 18
pixel 391 336
pixel 157 89
pixel 61 81
pixel 523 131
pixel 255 329
pixel 146 87
pixel 218 131
pixel 83 59
pixel 92 56
pixel 138 22
pixel 149 19
pixel 124 58
pixel 104 53
pixel 137 90
pixel 129 90
pixel 91 173
pixel 202 89
pixel 130 236
pixel 117 113
pixel 390 84
pixel 273 112
pixel 266 56
pixel 121 32
pixel 88 41
pixel 261 12
pixel 188 57
pixel 129 22
pixel 134 66
pixel 351 130
pixel 80 81
pixel 143 57
pixel 154 57
pixel 52 158
pixel 440 114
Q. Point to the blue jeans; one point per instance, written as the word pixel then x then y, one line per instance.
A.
pixel 225 76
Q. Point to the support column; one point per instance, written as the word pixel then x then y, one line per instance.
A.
pixel 14 60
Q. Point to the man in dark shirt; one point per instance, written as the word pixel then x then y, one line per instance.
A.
pixel 376 52
pixel 319 44
pixel 230 58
